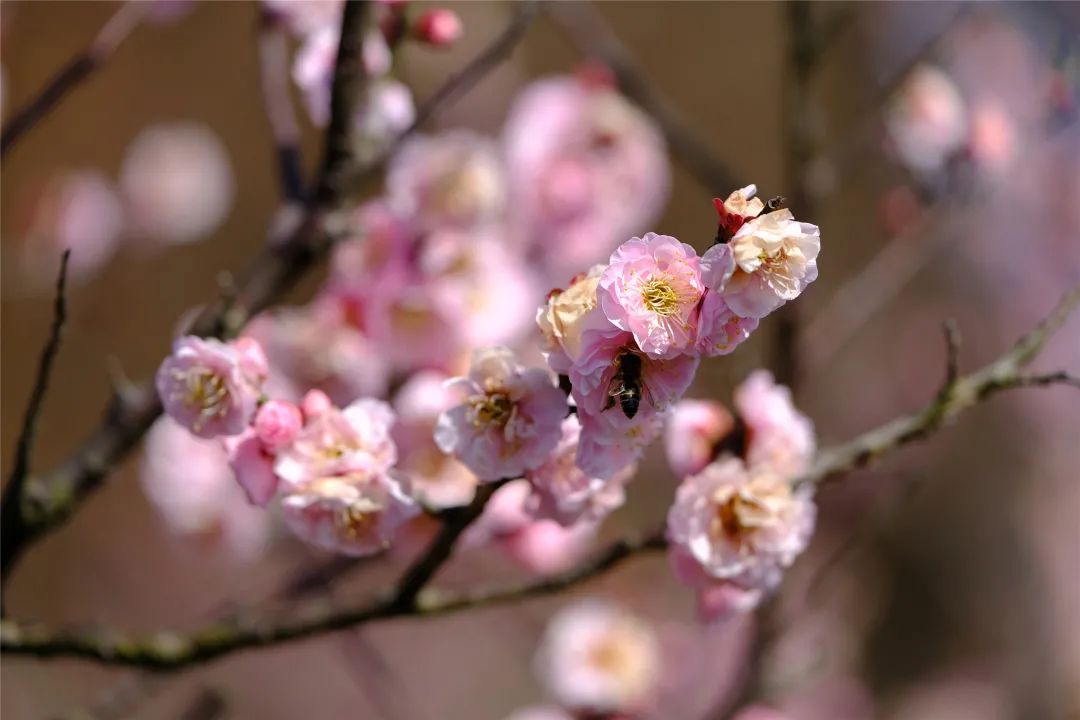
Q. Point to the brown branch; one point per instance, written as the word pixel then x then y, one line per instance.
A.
pixel 173 651
pixel 591 36
pixel 77 70
pixel 280 112
pixel 51 499
pixel 11 512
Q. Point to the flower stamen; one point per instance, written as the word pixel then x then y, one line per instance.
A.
pixel 660 297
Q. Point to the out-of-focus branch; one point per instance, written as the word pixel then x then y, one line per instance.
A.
pixel 280 112
pixel 78 69
pixel 592 37
pixel 52 498
pixel 11 515
pixel 173 651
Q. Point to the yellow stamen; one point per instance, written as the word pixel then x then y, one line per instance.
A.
pixel 660 297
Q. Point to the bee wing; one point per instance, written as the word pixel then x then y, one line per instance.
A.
pixel 647 395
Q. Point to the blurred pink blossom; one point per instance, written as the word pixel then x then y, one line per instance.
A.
pixel 694 428
pixel 189 483
pixel 453 180
pixel 586 170
pixel 177 182
pixel 314 404
pixel 562 492
pixel 438 27
pixel 509 420
pixel 540 712
pixel 779 436
pixel 352 441
pixel 79 211
pixel 651 288
pixel 305 17
pixel 353 513
pixel 204 387
pixel 598 658
pixel 927 120
pixel 313 69
pixel 436 479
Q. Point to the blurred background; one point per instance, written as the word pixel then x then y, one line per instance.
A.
pixel 944 171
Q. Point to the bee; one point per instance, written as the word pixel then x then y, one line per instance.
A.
pixel 627 386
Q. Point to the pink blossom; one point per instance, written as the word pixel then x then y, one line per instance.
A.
pixel 253 465
pixel 305 17
pixel 177 182
pixel 567 315
pixel 384 112
pixel 597 658
pixel 540 712
pixel 437 480
pixel 719 329
pixel 277 423
pixel 316 346
pixel 562 492
pixel 313 68
pixel 353 514
pixel 189 484
pixel 606 450
pixel 453 180
pixel 485 289
pixel 738 524
pixel 651 288
pixel 510 419
pixel 739 207
pixel 78 211
pixel 253 360
pixel 352 441
pixel 586 169
pixel 203 386
pixel 438 27
pixel 779 436
pixel 927 120
pixel 775 259
pixel 694 428
pixel 544 547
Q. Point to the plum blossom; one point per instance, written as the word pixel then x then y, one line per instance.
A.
pixel 586 170
pixel 738 525
pixel 305 17
pixel 79 211
pixel 775 259
pixel 314 404
pixel 927 120
pixel 253 465
pixel 540 712
pixel 510 419
pixel 353 513
pixel 651 288
pixel 187 480
pixel 778 435
pixel 438 27
pixel 719 329
pixel 384 112
pixel 313 68
pixel 606 450
pixel 694 428
pixel 437 480
pixel 562 492
pixel 595 657
pixel 740 206
pixel 454 180
pixel 177 182
pixel 353 441
pixel 567 315
pixel 206 386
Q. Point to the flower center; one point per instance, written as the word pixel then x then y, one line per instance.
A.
pixel 357 520
pixel 735 518
pixel 204 389
pixel 660 297
pixel 494 408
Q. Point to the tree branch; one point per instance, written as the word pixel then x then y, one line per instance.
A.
pixel 587 31
pixel 274 75
pixel 78 69
pixel 172 651
pixel 51 499
pixel 11 513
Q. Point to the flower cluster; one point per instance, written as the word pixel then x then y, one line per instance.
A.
pixel 629 335
pixel 332 467
pixel 737 520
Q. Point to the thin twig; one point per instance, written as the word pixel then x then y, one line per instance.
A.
pixel 172 651
pixel 280 112
pixel 78 69
pixel 12 518
pixel 587 31
pixel 952 354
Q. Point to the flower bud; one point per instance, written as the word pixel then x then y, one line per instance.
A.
pixel 439 27
pixel 277 423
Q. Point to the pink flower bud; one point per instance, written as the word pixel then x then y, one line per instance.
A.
pixel 439 27
pixel 314 404
pixel 277 423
